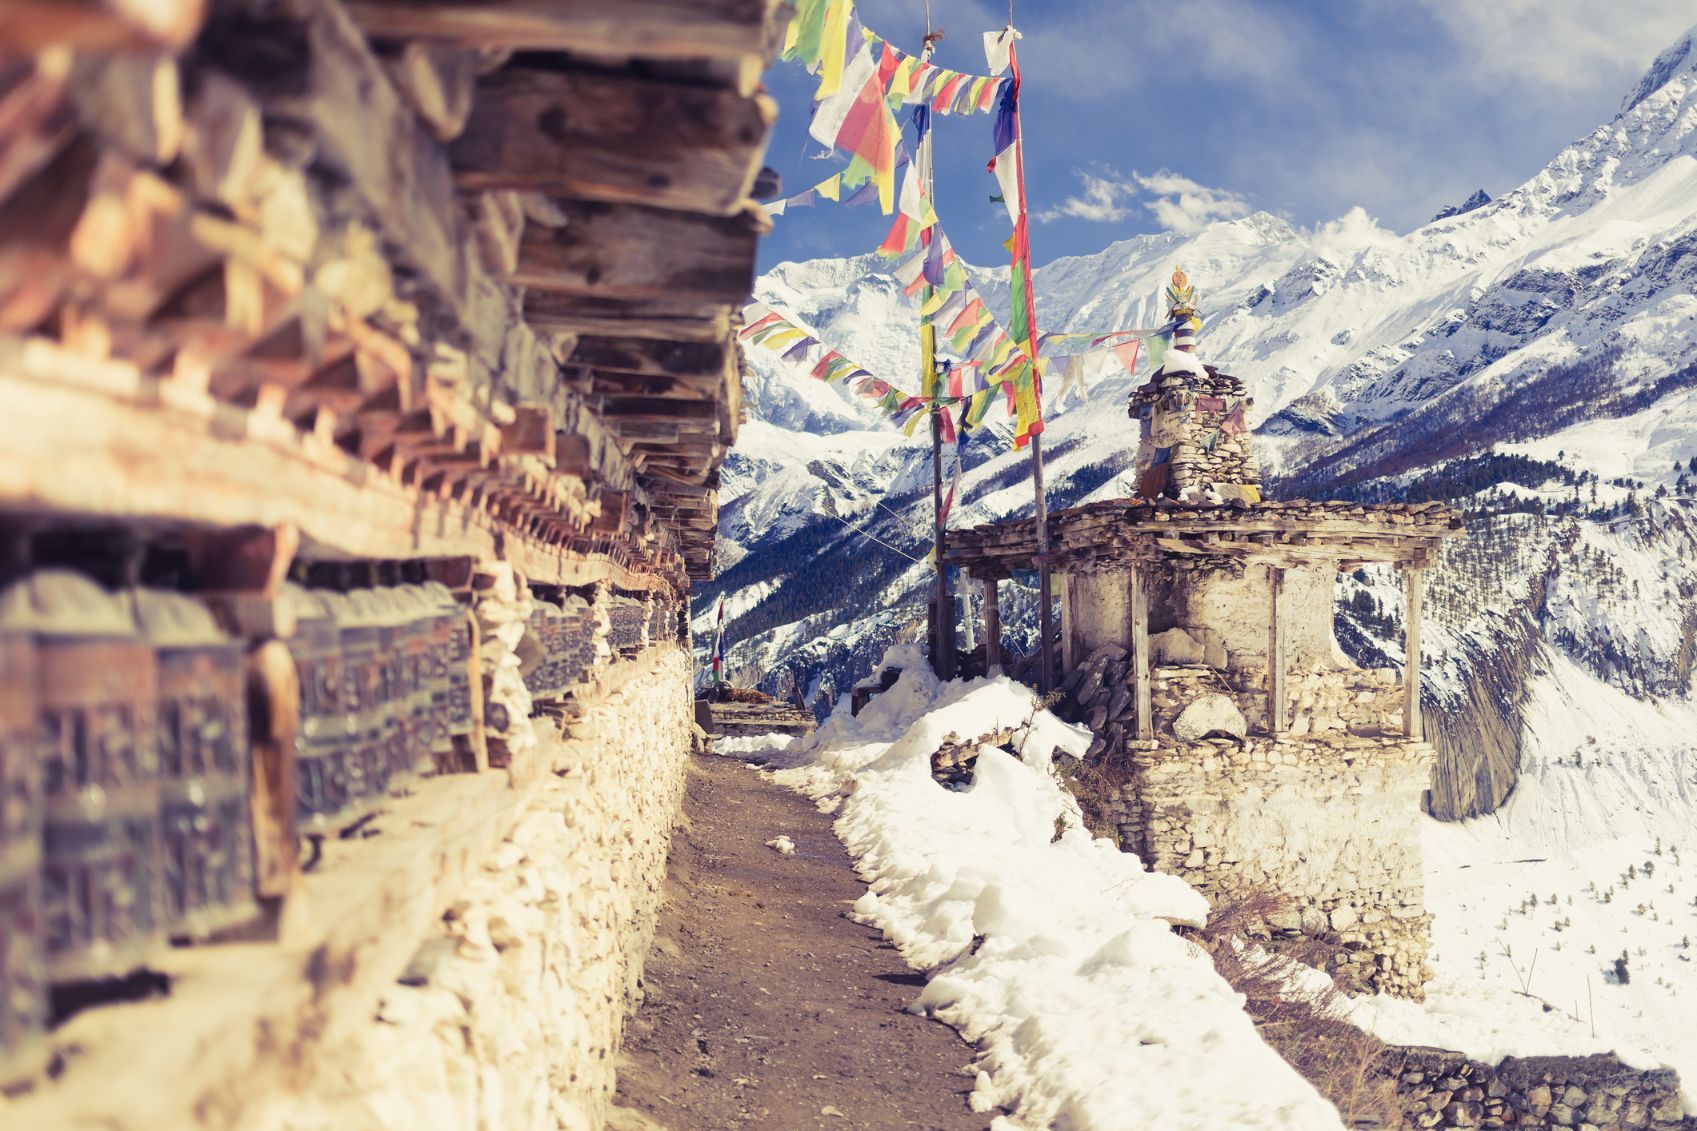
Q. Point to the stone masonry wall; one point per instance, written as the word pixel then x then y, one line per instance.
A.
pixel 1326 814
pixel 1444 1090
pixel 510 1015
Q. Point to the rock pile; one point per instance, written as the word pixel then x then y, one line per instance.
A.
pixel 1444 1090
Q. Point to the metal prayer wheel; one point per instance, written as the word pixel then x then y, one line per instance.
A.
pixel 544 681
pixel 459 629
pixel 204 766
pixel 390 722
pixel 445 618
pixel 97 694
pixel 419 644
pixel 365 714
pixel 325 768
pixel 23 981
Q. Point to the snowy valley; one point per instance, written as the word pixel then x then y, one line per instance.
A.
pixel 1530 360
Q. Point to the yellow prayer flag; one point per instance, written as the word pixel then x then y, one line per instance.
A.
pixel 832 49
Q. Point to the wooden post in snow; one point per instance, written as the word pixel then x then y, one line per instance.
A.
pixel 1140 653
pixel 1415 581
pixel 1275 652
pixel 992 628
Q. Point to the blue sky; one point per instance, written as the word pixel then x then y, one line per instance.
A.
pixel 1141 115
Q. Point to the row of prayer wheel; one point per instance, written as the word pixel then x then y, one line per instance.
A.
pixel 125 761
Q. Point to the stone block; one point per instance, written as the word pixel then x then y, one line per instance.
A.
pixel 1211 714
pixel 1175 646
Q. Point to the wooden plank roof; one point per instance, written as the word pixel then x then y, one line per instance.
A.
pixel 1286 533
pixel 490 252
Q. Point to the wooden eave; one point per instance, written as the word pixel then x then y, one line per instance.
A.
pixel 1287 534
pixel 488 256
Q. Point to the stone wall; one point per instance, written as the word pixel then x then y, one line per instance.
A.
pixel 1327 814
pixel 510 1014
pixel 1444 1090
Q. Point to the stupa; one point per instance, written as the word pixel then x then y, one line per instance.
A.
pixel 1194 444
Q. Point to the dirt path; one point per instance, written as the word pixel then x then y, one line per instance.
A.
pixel 765 1006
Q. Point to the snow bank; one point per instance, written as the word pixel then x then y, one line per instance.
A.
pixel 1051 950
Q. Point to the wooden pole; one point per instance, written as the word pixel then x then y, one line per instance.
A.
pixel 1412 726
pixel 1275 652
pixel 992 628
pixel 1140 653
pixel 943 622
pixel 1045 611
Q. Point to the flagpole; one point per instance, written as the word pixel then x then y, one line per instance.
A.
pixel 1045 613
pixel 942 623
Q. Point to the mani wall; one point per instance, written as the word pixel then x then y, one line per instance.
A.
pixel 459 945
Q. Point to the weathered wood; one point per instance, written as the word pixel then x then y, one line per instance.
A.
pixel 530 433
pixel 439 82
pixel 663 319
pixel 1069 625
pixel 132 101
pixel 98 25
pixel 87 437
pixel 1139 601
pixel 702 360
pixel 569 132
pixel 992 628
pixel 274 715
pixel 1275 651
pixel 655 29
pixel 630 251
pixel 1412 725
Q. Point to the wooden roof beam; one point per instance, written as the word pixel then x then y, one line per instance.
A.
pixel 664 319
pixel 636 252
pixel 652 29
pixel 569 132
pixel 98 25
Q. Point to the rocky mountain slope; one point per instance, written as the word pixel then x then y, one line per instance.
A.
pixel 1532 358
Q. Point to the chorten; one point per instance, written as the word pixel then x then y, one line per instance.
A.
pixel 1194 443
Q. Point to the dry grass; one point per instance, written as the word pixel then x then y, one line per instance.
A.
pixel 1350 1067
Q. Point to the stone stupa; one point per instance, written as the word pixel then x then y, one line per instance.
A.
pixel 1194 443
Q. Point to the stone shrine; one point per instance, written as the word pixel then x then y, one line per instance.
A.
pixel 1241 746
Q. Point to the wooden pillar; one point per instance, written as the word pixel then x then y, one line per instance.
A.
pixel 1140 653
pixel 992 628
pixel 1069 649
pixel 1275 652
pixel 1415 581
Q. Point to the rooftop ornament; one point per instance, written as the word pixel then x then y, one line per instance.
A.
pixel 1194 444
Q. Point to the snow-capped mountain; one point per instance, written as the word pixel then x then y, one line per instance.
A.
pixel 1532 358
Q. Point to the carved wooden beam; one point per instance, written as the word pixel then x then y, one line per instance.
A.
pixel 630 251
pixel 655 29
pixel 98 25
pixel 569 132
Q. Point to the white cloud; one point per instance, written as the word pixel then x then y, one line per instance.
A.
pixel 1177 203
pixel 1102 200
pixel 1559 44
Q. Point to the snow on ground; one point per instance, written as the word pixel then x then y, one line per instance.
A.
pixel 1595 855
pixel 1049 949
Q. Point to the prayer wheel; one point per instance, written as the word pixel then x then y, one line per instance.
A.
pixel 204 766
pixel 325 766
pixel 97 694
pixel 446 618
pixel 419 643
pixel 363 693
pixel 460 720
pixel 23 983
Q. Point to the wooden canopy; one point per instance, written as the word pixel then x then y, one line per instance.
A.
pixel 474 267
pixel 1282 534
